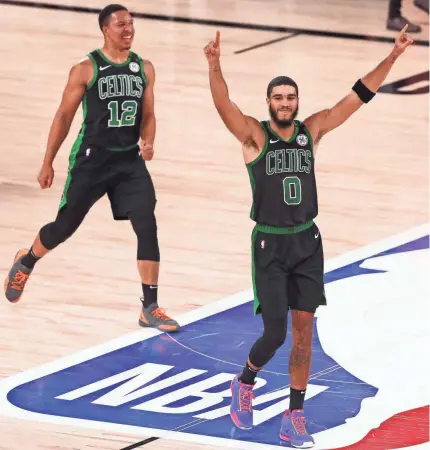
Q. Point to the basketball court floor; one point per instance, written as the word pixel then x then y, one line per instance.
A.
pixel 78 373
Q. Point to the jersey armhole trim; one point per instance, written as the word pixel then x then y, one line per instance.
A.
pixel 95 71
pixel 263 152
pixel 308 134
pixel 142 71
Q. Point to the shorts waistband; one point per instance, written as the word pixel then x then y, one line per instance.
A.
pixel 284 230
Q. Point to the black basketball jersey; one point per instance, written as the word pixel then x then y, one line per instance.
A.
pixel 283 179
pixel 112 104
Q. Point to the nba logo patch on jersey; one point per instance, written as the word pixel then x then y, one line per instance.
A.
pixel 263 244
pixel 134 67
pixel 302 139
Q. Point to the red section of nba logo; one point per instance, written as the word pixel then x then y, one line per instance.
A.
pixel 405 429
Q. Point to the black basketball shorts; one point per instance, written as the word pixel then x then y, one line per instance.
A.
pixel 287 270
pixel 123 176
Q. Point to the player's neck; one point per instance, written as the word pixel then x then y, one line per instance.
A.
pixel 285 133
pixel 115 55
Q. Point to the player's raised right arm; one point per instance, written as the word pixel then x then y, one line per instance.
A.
pixel 72 96
pixel 237 123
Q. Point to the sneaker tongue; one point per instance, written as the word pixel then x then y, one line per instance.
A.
pixel 152 307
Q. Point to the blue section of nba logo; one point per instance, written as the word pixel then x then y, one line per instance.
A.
pixel 181 382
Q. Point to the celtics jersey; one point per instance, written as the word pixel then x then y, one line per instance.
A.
pixel 283 179
pixel 112 104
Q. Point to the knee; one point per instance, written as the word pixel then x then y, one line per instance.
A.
pixel 54 233
pixel 302 328
pixel 302 319
pixel 144 224
pixel 145 227
pixel 275 335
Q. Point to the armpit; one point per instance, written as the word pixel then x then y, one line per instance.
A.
pixel 250 145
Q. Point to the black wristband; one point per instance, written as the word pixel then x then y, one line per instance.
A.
pixel 363 91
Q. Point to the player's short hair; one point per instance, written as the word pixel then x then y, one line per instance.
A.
pixel 280 81
pixel 106 12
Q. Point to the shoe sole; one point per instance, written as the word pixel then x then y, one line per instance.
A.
pixel 147 325
pixel 286 438
pixel 6 281
pixel 399 29
pixel 236 422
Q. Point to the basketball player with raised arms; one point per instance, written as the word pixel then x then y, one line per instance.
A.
pixel 116 89
pixel 287 252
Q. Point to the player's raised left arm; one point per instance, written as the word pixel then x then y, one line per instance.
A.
pixel 362 92
pixel 148 122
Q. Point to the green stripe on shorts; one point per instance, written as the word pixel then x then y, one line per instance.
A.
pixel 257 309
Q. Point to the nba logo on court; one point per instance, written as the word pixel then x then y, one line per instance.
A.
pixel 177 386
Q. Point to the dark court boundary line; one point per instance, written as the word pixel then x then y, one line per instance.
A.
pixel 141 443
pixel 263 44
pixel 219 23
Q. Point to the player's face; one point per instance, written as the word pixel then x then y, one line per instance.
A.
pixel 120 30
pixel 283 105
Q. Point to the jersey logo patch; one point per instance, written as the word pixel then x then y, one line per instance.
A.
pixel 273 141
pixel 302 139
pixel 134 67
pixel 104 67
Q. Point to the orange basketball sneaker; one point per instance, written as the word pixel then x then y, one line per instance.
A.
pixel 17 278
pixel 154 317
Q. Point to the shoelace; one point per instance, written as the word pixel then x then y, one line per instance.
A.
pixel 19 280
pixel 245 398
pixel 299 424
pixel 159 314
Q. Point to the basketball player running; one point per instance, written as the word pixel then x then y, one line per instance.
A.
pixel 287 252
pixel 115 87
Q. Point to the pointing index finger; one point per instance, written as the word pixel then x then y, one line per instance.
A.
pixel 217 38
pixel 404 30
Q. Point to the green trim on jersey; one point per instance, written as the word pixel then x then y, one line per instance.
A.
pixel 284 230
pixel 308 134
pixel 250 164
pixel 257 309
pixel 142 71
pixel 74 152
pixel 296 130
pixel 111 62
pixel 95 72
